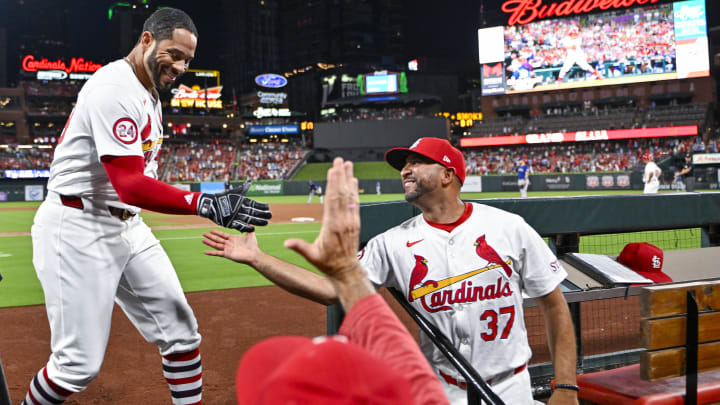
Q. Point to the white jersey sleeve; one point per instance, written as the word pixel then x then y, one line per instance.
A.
pixel 114 122
pixel 374 259
pixel 540 271
pixel 114 116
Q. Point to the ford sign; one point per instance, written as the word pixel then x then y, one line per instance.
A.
pixel 271 80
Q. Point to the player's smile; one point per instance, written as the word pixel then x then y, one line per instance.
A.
pixel 170 58
pixel 169 77
pixel 407 181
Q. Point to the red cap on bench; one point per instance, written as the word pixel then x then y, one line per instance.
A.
pixel 646 259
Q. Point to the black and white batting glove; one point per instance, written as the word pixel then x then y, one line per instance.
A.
pixel 232 209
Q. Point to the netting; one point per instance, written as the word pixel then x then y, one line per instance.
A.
pixel 612 244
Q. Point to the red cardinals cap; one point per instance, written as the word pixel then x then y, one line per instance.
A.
pixel 324 370
pixel 646 156
pixel 646 259
pixel 436 149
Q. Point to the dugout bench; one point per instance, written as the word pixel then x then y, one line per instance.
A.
pixel 680 364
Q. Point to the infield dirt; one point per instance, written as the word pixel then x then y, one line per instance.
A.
pixel 231 321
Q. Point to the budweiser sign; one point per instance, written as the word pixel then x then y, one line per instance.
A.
pixel 526 11
pixel 186 97
pixel 184 91
pixel 30 64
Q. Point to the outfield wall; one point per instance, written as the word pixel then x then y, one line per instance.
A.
pixel 29 189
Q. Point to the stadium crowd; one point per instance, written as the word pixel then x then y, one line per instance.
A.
pixel 212 161
pixel 622 155
pixel 15 157
pixel 575 118
pixel 194 161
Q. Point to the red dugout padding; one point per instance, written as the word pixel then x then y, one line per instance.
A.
pixel 623 386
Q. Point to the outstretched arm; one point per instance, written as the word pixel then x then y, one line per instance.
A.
pixel 561 340
pixel 126 174
pixel 294 279
pixel 134 188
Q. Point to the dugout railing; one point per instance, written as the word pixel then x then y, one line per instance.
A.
pixel 605 319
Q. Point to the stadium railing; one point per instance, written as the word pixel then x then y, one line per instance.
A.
pixel 587 224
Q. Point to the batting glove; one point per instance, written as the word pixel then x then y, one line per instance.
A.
pixel 232 209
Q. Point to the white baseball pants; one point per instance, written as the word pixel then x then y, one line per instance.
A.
pixel 87 259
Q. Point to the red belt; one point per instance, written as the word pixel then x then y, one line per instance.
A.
pixel 76 202
pixel 463 384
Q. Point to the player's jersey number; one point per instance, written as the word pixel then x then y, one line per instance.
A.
pixel 492 318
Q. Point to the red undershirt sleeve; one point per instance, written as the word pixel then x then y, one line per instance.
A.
pixel 126 173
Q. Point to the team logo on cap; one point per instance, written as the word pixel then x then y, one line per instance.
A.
pixel 125 130
pixel 414 145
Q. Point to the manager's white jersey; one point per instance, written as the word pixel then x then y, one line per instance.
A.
pixel 114 115
pixel 454 279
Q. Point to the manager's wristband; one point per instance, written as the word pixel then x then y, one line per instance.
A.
pixel 567 387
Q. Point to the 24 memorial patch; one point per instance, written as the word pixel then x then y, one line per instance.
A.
pixel 125 130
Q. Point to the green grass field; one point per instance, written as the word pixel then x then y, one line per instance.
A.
pixel 362 170
pixel 198 272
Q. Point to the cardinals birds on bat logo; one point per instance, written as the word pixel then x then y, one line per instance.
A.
pixel 418 274
pixel 488 253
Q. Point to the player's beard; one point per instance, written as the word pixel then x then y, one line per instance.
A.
pixel 421 188
pixel 155 71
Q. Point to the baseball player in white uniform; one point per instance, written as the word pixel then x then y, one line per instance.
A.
pixel 464 267
pixel 651 174
pixel 90 246
pixel 575 55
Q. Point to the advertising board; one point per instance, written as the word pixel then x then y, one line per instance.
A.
pixel 608 181
pixel 580 136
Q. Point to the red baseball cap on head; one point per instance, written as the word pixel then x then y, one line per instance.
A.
pixel 646 156
pixel 322 371
pixel 436 149
pixel 646 259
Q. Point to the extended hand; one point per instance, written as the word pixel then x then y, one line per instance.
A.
pixel 232 209
pixel 240 248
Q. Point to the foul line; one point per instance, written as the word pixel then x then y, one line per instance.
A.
pixel 184 237
pixel 258 234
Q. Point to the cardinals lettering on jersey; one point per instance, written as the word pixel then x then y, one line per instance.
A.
pixel 434 296
pixel 440 300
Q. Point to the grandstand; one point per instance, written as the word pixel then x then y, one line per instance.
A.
pixel 571 118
